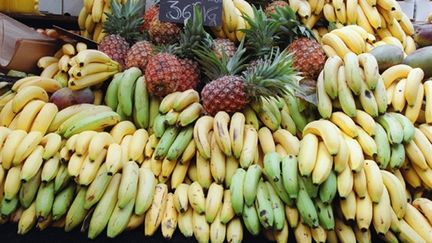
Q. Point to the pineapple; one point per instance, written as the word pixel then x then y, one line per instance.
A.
pixel 224 45
pixel 148 17
pixel 139 54
pixel 163 74
pixel 229 91
pixel 163 32
pixel 284 30
pixel 175 68
pixel 271 7
pixel 122 28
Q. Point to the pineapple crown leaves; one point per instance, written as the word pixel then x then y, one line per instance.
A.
pixel 193 35
pixel 214 67
pixel 274 76
pixel 261 36
pixel 289 26
pixel 125 20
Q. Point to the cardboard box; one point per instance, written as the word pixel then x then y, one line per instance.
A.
pixel 21 46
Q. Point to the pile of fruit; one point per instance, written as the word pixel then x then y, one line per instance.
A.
pixel 310 118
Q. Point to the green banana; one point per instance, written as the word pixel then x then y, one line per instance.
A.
pixel 129 184
pixel 180 143
pixel 251 117
pixel 62 201
pixel 153 110
pixel 311 188
pixel 96 122
pixel 408 127
pixel 272 169
pixel 263 205
pixel 251 220
pixel 383 147
pixel 146 187
pixel 266 116
pixel 159 125
pixel 273 105
pixel 289 175
pixel 120 218
pixel 325 215
pixel 141 109
pixel 287 122
pixel 104 208
pixel 325 107
pixel 368 102
pixel 165 142
pixel 91 111
pixel 171 117
pixel 121 113
pixel 393 128
pixel 236 189
pixel 397 156
pixel 98 186
pixel 62 178
pixel 126 89
pixel 111 97
pixel 345 96
pixel 252 178
pixel 306 207
pixel 76 212
pixel 299 120
pixel 278 208
pixel 29 190
pixel 44 200
pixel 50 169
pixel 7 207
pixel 328 188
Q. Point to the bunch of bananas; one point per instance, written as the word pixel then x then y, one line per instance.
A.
pixel 233 21
pixel 57 66
pixel 406 91
pixel 92 17
pixel 345 83
pixel 90 68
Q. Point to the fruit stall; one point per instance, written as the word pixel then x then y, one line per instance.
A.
pixel 213 121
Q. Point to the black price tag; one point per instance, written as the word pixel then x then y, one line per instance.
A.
pixel 180 10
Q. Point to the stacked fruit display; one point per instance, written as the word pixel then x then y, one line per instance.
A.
pixel 219 139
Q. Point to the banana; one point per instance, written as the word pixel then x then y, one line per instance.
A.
pixel 371 13
pixel 250 145
pixel 367 143
pixel 181 200
pixel 395 73
pixel 251 220
pixel 213 202
pixel 324 101
pixel 141 104
pixel 28 190
pixel 397 197
pixel 348 206
pixel 423 144
pixel 168 102
pixel 323 165
pixel 217 162
pixel 344 232
pixel 146 187
pixel 184 222
pixel 289 142
pixel 266 141
pixel 66 113
pixel 104 208
pixel 345 182
pixel 48 84
pixel 154 214
pixel 415 155
pixel 99 142
pixel 90 56
pixel 345 123
pixel 169 219
pixel 392 127
pixel 413 112
pixel 27 220
pixel 50 70
pixel 340 9
pixel 184 99
pixel 418 222
pixel 165 142
pixel 32 164
pixel 326 130
pixel 128 185
pixel 119 219
pixel 93 68
pixel 398 100
pixel 251 180
pixel 122 129
pixel 12 183
pixel 331 68
pixel 96 122
pixel 263 205
pixel 201 229
pixel 344 94
pixel 424 206
pixel 111 97
pixel 83 142
pixel 336 43
pixel 97 188
pixel 196 197
pixel 221 133
pixel 302 233
pixel 370 67
pixel 329 13
pixel 408 127
pixel 44 200
pixel 364 212
pixel 202 127
pixel 90 168
pixel 352 73
pixel 237 192
pixel 27 94
pixel 408 234
pixel 204 177
pixel 126 89
pixel 7 114
pixel 407 26
pixel 397 31
pixel 44 118
pixel 11 144
pixel 90 80
pixel 45 61
pixel 62 202
pixel 414 79
pixel 352 39
pixel 325 215
pixel 137 144
pixel 383 147
pixel 360 184
pixel 306 207
pixel 26 147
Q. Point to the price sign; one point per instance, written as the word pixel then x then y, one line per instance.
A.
pixel 180 10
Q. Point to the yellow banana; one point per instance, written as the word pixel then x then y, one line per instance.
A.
pixel 395 73
pixel 352 39
pixel 44 118
pixel 336 43
pixel 221 133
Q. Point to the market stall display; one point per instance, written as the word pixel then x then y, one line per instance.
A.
pixel 306 120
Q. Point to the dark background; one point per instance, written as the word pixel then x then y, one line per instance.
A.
pixel 56 235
